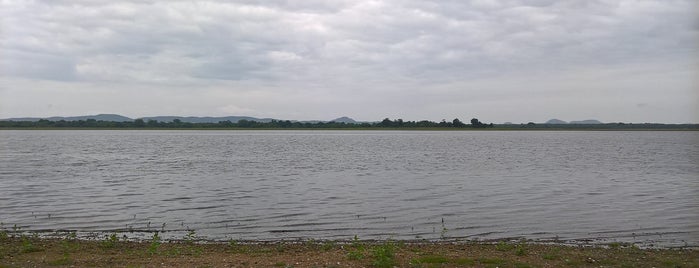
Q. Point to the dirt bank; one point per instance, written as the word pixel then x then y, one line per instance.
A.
pixel 28 251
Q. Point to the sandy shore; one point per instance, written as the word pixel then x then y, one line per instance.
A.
pixel 26 251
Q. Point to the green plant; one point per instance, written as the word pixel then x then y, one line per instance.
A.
pixel 173 251
pixel 68 245
pixel 110 241
pixel 195 251
pixel 357 244
pixel 431 259
pixel 63 261
pixel 521 249
pixel 154 244
pixel 189 240
pixel 355 254
pixel 28 246
pixel 329 245
pixel 551 255
pixel 384 255
pixel 503 246
pixel 72 235
pixel 237 247
pixel 3 232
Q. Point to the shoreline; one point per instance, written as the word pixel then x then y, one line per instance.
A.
pixel 180 235
pixel 23 251
pixel 602 129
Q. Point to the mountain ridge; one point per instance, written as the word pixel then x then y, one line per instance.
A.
pixel 169 118
pixel 98 117
pixel 205 119
pixel 232 119
pixel 580 122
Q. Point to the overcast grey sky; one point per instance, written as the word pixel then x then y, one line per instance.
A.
pixel 510 60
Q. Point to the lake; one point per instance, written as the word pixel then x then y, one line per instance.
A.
pixel 570 186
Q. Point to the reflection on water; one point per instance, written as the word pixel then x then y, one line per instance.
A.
pixel 607 186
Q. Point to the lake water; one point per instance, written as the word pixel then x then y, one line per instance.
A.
pixel 600 186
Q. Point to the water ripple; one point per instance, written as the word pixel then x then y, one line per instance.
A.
pixel 599 186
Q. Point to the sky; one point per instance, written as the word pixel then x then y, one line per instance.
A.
pixel 499 61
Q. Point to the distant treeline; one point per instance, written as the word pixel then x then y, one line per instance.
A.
pixel 274 124
pixel 287 124
pixel 603 126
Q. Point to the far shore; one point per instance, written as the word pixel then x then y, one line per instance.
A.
pixel 112 251
pixel 363 129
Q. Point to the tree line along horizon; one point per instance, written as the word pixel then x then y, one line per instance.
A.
pixel 288 124
pixel 243 123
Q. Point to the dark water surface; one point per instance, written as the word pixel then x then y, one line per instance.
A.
pixel 638 187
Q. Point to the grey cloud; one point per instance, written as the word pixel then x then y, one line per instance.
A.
pixel 233 68
pixel 310 6
pixel 443 38
pixel 34 65
pixel 339 48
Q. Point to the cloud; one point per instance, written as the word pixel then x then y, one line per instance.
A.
pixel 349 53
pixel 37 65
pixel 234 109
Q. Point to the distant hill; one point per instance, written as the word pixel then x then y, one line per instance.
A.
pixel 206 119
pixel 344 119
pixel 586 122
pixel 120 118
pixel 233 119
pixel 582 122
pixel 168 118
pixel 99 117
pixel 556 122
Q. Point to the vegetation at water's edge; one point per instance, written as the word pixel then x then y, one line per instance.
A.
pixel 286 124
pixel 111 251
pixel 176 123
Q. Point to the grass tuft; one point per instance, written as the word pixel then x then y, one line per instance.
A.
pixel 154 244
pixel 431 259
pixel 521 250
pixel 384 255
pixel 355 254
pixel 504 246
pixel 28 246
pixel 110 241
